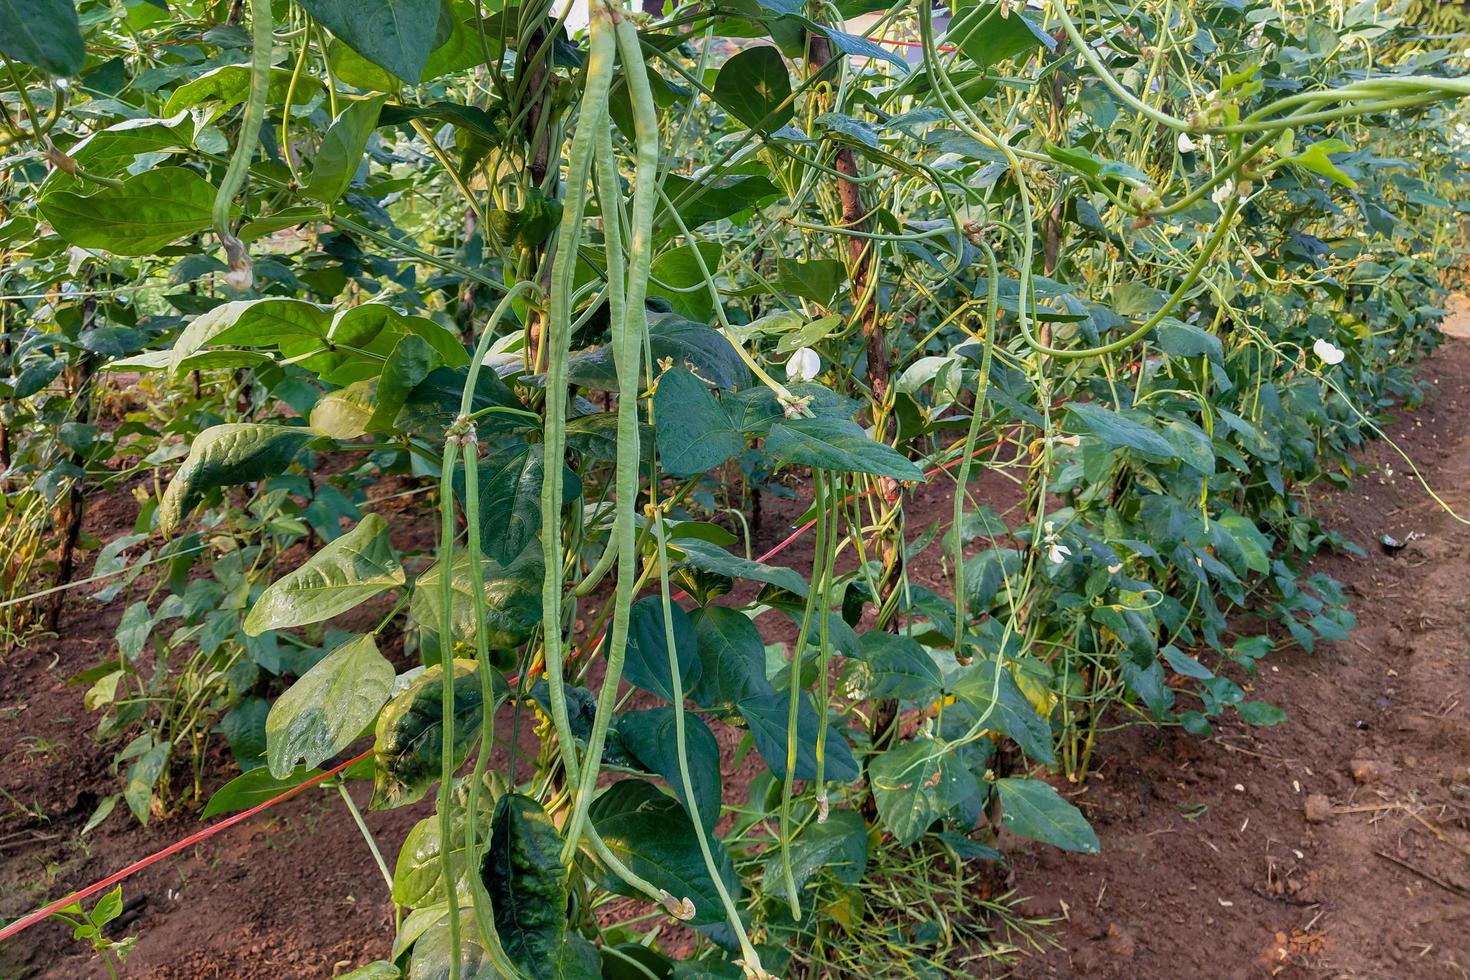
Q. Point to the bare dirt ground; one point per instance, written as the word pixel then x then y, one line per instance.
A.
pixel 1335 845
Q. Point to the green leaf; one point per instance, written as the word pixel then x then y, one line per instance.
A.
pixel 394 34
pixel 836 444
pixel 1260 714
pixel 328 706
pixel 512 599
pixel 755 88
pixel 527 883
pixel 732 658
pixel 653 836
pixel 149 211
pixel 229 85
pixel 708 557
pixel 988 35
pixel 693 430
pixel 837 847
pixel 679 279
pixel 510 498
pixel 346 572
pixel 44 33
pixel 143 776
pixel 893 666
pixel 905 781
pixel 1118 431
pixel 766 714
pixel 997 697
pixel 651 737
pixel 341 151
pixel 258 785
pixel 646 662
pixel 410 734
pixel 345 413
pixel 226 456
pixel 1315 159
pixel 407 366
pixel 1031 808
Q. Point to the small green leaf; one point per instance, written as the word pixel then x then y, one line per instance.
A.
pixel 1031 808
pixel 512 599
pixel 229 85
pixel 346 572
pixel 767 715
pixel 258 785
pixel 893 666
pixel 226 456
pixel 328 706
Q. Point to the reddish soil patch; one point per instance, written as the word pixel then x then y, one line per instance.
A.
pixel 1209 869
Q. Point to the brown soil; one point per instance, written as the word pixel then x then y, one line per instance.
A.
pixel 1209 866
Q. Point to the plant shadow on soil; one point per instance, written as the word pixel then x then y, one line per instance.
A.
pixel 1336 844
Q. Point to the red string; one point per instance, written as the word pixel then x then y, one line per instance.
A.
pixel 19 925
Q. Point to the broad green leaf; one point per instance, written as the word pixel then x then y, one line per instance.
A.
pixel 44 33
pixel 1260 714
pixel 345 573
pixel 693 430
pixel 836 444
pixel 527 883
pixel 646 662
pixel 1119 431
pixel 893 666
pixel 905 781
pixel 512 599
pixel 1316 159
pixel 732 658
pixel 142 777
pixel 341 151
pixel 394 34
pixel 410 734
pixel 149 211
pixel 464 47
pixel 510 498
pixel 767 716
pixel 710 198
pixel 989 33
pixel 678 278
pixel 229 85
pixel 252 323
pixel 1001 705
pixel 651 737
pixel 755 88
pixel 226 456
pixel 1031 808
pixel 653 836
pixel 328 706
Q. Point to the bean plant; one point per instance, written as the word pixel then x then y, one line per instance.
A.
pixel 489 335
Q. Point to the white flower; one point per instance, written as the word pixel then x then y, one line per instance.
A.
pixel 1115 568
pixel 1223 193
pixel 1058 553
pixel 1327 352
pixel 804 365
pixel 1185 144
